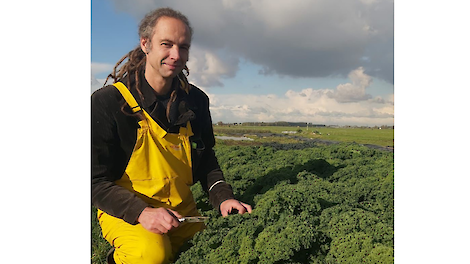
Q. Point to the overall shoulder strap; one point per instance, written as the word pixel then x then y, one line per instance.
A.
pixel 127 96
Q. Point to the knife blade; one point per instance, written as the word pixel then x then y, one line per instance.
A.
pixel 193 219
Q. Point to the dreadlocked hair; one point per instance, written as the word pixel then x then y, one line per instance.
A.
pixel 134 65
pixel 184 85
pixel 136 58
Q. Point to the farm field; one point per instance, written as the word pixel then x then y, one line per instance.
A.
pixel 311 204
pixel 374 136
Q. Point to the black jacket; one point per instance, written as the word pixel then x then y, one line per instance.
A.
pixel 114 132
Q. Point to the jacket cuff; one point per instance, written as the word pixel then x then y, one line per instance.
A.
pixel 219 193
pixel 132 214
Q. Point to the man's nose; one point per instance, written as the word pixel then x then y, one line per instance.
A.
pixel 175 53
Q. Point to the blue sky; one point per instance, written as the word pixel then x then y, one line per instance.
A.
pixel 318 61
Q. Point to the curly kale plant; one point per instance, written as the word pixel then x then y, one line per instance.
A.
pixel 329 204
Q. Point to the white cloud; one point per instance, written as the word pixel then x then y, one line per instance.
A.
pixel 96 83
pixel 308 105
pixel 206 67
pixel 98 67
pixel 299 38
pixel 354 91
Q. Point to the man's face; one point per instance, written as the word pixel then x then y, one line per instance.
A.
pixel 168 51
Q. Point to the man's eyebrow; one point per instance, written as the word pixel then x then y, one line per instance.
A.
pixel 183 44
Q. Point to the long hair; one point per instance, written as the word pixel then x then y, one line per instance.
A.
pixel 135 60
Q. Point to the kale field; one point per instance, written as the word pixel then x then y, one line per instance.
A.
pixel 311 204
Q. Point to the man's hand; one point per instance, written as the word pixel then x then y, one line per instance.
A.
pixel 159 220
pixel 227 206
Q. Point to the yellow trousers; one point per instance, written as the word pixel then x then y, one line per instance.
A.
pixel 136 245
pixel 159 171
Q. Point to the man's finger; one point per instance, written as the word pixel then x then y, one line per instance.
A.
pixel 167 223
pixel 224 213
pixel 241 209
pixel 173 214
pixel 247 206
pixel 157 230
pixel 172 217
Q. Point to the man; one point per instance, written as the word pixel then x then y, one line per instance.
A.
pixel 151 139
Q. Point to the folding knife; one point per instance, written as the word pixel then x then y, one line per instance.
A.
pixel 193 219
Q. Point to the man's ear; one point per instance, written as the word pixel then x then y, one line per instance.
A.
pixel 144 45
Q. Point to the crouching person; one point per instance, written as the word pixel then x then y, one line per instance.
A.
pixel 152 139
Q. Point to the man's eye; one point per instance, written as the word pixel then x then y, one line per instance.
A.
pixel 166 44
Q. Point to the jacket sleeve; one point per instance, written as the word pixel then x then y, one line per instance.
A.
pixel 108 160
pixel 210 175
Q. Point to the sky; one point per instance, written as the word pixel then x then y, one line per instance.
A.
pixel 317 61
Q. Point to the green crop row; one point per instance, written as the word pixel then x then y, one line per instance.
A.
pixel 329 204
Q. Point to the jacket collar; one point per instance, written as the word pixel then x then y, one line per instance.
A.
pixel 150 96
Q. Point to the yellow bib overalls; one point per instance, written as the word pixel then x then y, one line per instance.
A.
pixel 159 171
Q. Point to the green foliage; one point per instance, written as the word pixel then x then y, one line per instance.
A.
pixel 312 204
pixel 327 204
pixel 380 137
pixel 99 246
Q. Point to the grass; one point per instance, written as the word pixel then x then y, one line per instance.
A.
pixel 99 246
pixel 374 136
